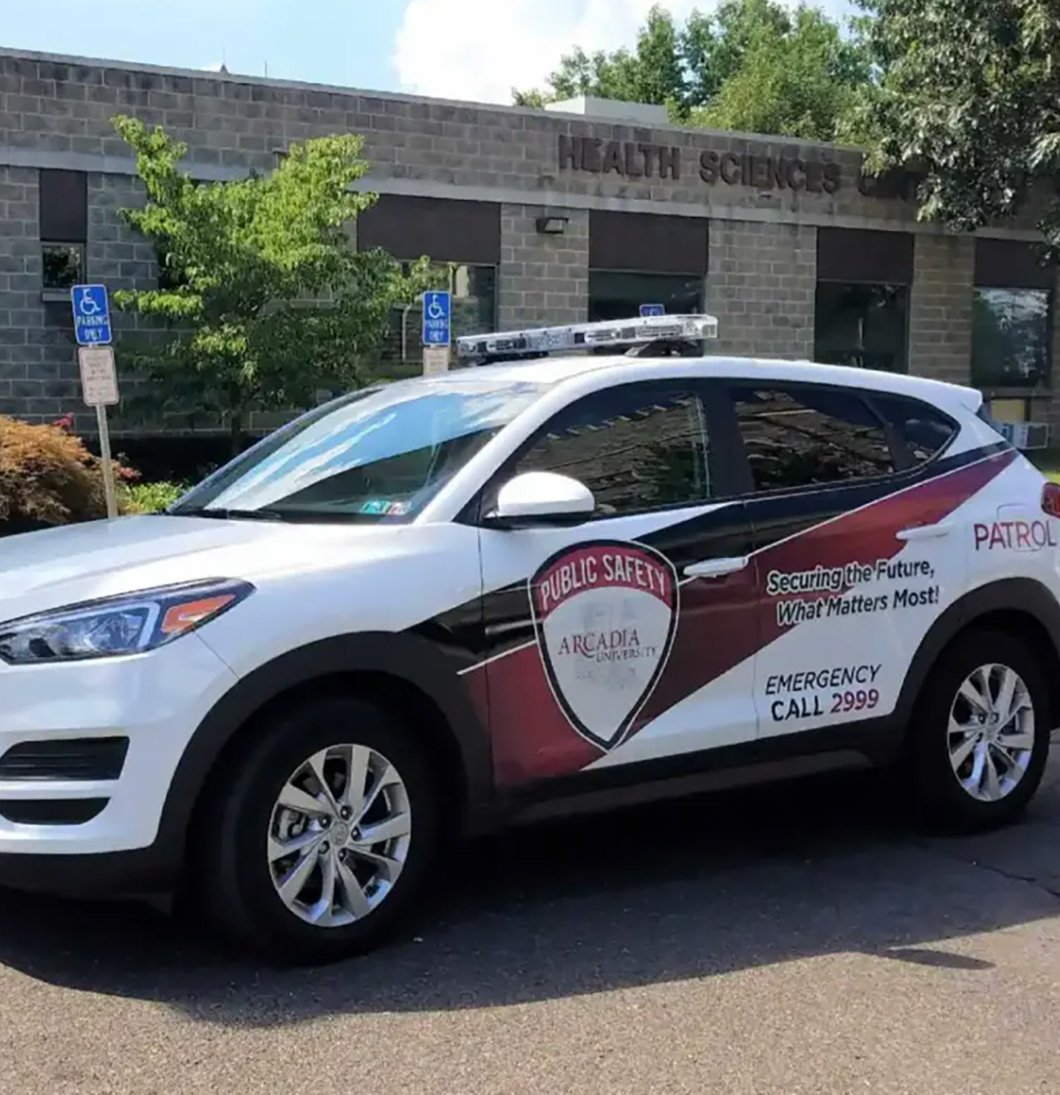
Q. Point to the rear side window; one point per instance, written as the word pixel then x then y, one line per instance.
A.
pixel 803 435
pixel 919 430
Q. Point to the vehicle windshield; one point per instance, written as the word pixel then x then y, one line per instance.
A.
pixel 376 455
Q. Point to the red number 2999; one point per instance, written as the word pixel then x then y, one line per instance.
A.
pixel 861 700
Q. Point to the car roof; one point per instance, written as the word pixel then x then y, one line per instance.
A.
pixel 556 370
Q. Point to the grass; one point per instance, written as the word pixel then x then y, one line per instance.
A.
pixel 1047 462
pixel 153 497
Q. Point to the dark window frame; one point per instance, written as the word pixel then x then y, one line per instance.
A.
pixel 657 243
pixel 899 454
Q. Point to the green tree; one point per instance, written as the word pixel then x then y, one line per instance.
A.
pixel 801 81
pixel 653 73
pixel 265 299
pixel 751 64
pixel 970 100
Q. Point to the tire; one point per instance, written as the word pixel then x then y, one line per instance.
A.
pixel 943 801
pixel 232 854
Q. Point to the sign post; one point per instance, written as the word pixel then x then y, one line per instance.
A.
pixel 437 331
pixel 99 377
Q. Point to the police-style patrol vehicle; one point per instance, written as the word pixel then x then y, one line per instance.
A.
pixel 593 558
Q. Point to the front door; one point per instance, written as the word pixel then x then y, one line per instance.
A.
pixel 620 640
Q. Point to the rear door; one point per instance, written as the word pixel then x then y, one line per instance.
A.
pixel 854 555
pixel 619 640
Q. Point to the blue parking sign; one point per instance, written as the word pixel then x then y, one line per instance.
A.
pixel 91 315
pixel 436 318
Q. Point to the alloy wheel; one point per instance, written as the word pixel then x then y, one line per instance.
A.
pixel 339 835
pixel 991 732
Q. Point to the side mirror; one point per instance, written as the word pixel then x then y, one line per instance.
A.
pixel 542 498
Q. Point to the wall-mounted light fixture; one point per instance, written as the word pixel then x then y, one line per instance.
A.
pixel 552 226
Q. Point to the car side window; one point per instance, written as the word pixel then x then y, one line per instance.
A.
pixel 921 430
pixel 637 447
pixel 802 435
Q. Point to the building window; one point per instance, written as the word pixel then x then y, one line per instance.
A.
pixel 861 309
pixel 63 264
pixel 1011 335
pixel 1012 304
pixel 864 325
pixel 63 228
pixel 474 312
pixel 618 294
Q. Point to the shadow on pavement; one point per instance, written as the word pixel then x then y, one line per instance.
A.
pixel 662 893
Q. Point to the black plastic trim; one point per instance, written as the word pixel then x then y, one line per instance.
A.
pixel 65 759
pixel 51 811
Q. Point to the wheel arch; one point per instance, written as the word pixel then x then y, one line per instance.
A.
pixel 405 670
pixel 1021 606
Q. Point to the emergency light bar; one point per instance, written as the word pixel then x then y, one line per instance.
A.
pixel 635 334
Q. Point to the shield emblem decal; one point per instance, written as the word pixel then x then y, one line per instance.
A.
pixel 605 614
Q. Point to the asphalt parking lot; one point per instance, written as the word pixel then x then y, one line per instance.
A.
pixel 801 940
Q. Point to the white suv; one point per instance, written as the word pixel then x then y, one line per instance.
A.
pixel 432 607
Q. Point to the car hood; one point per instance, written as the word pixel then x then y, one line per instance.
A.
pixel 73 563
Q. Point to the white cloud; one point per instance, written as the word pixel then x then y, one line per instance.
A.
pixel 480 49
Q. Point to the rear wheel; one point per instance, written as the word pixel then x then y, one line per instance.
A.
pixel 317 847
pixel 981 733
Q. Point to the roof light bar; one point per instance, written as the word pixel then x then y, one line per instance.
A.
pixel 585 336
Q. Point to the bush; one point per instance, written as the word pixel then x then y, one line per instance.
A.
pixel 153 497
pixel 48 477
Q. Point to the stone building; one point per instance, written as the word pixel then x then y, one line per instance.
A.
pixel 584 211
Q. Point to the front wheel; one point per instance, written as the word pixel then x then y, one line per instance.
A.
pixel 325 835
pixel 980 739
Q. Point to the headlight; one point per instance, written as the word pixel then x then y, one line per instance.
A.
pixel 129 624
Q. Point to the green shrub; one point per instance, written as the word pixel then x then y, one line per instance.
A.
pixel 48 477
pixel 153 497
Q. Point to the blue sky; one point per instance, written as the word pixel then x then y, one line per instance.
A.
pixel 452 48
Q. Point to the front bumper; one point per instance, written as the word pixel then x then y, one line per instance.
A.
pixel 69 791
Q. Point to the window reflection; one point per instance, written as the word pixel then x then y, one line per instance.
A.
pixel 63 264
pixel 474 312
pixel 617 294
pixel 1010 337
pixel 862 325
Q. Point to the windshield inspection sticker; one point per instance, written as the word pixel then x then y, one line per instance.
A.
pixel 605 614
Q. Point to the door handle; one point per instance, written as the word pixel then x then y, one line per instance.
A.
pixel 717 568
pixel 925 532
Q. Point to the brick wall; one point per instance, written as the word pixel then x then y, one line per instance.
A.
pixel 31 345
pixel 940 308
pixel 761 284
pixel 761 287
pixel 544 279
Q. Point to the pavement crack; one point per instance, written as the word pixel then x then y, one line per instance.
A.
pixel 1003 872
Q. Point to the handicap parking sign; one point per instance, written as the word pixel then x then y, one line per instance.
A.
pixel 436 318
pixel 91 315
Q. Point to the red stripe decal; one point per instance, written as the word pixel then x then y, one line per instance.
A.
pixel 717 630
